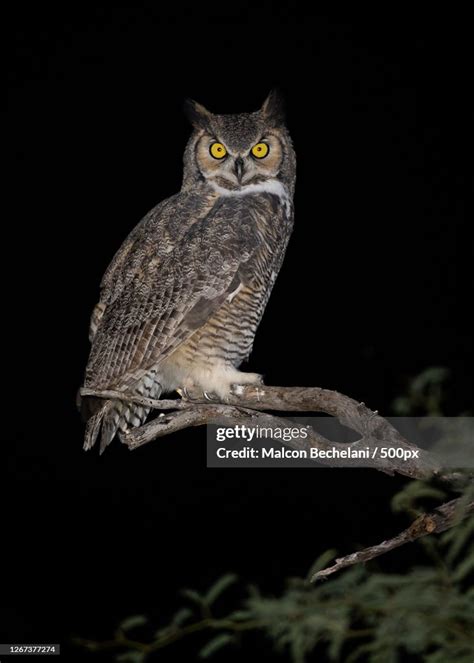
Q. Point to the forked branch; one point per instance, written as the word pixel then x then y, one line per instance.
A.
pixel 250 405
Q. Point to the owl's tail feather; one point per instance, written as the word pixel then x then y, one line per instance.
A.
pixel 93 428
pixel 115 417
pixel 112 418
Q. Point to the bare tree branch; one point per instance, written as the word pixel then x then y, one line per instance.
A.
pixel 445 516
pixel 247 405
pixel 164 404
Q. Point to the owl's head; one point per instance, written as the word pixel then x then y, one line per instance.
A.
pixel 233 151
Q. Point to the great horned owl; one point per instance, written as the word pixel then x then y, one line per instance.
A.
pixel 182 299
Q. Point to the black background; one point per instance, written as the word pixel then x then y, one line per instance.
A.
pixel 376 286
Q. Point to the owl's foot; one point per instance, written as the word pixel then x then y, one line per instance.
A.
pixel 196 395
pixel 217 385
pixel 188 394
pixel 245 379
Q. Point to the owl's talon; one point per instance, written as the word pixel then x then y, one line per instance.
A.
pixel 213 398
pixel 184 393
pixel 189 395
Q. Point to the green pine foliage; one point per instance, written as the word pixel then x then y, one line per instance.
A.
pixel 360 614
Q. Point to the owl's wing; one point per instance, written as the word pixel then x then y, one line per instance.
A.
pixel 125 263
pixel 167 298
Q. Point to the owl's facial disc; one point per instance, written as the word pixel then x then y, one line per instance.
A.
pixel 236 166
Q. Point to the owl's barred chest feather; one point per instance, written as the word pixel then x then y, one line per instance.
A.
pixel 228 334
pixel 226 339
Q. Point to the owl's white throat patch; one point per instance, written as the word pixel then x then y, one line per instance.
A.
pixel 274 187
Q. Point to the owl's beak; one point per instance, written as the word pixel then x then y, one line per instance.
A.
pixel 239 168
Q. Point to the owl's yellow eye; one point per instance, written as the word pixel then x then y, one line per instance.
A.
pixel 260 150
pixel 217 151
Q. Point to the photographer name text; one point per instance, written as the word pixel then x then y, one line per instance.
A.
pixel 331 453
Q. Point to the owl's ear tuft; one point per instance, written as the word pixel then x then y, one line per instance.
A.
pixel 273 108
pixel 197 114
